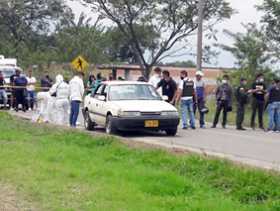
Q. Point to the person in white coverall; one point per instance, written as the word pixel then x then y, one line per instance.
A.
pixel 60 92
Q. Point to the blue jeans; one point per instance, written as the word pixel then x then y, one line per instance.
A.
pixel 274 116
pixel 187 110
pixel 75 110
pixel 31 98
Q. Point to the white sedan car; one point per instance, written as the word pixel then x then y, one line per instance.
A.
pixel 129 106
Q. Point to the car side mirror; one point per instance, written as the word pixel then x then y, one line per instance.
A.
pixel 101 98
pixel 165 98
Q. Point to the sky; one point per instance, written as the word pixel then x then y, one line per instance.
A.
pixel 245 13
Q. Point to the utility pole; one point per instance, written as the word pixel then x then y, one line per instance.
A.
pixel 201 6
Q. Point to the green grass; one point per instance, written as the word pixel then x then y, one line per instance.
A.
pixel 61 169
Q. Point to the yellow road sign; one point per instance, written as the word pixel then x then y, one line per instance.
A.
pixel 80 64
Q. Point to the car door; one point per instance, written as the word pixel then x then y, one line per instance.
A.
pixel 98 105
pixel 103 105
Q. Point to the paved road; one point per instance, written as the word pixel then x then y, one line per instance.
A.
pixel 255 148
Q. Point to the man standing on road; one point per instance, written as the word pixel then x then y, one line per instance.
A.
pixel 169 87
pixel 77 90
pixel 224 101
pixel 31 95
pixel 185 94
pixel 274 107
pixel 155 79
pixel 20 83
pixel 200 97
pixel 242 97
pixel 258 102
pixel 3 93
pixel 61 104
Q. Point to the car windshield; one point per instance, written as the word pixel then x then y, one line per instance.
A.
pixel 133 92
pixel 7 72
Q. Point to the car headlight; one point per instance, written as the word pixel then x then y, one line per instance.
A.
pixel 129 113
pixel 170 113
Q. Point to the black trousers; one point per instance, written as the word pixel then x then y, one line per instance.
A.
pixel 221 106
pixel 240 114
pixel 257 106
pixel 20 98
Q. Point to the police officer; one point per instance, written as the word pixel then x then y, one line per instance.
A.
pixel 258 102
pixel 20 91
pixel 224 101
pixel 241 95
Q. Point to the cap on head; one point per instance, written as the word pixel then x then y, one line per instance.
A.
pixel 199 73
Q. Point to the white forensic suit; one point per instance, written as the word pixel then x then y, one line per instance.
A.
pixel 42 115
pixel 61 105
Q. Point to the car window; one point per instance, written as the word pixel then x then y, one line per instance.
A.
pixel 99 91
pixel 133 92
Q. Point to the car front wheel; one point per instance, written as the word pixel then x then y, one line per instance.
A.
pixel 171 132
pixel 110 128
pixel 89 125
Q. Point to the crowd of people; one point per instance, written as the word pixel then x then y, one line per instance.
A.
pixel 191 96
pixel 57 102
pixel 60 101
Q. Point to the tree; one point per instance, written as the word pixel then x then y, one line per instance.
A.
pixel 251 52
pixel 271 23
pixel 21 19
pixel 118 47
pixel 27 26
pixel 172 20
pixel 83 38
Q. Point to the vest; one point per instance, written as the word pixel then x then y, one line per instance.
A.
pixel 188 89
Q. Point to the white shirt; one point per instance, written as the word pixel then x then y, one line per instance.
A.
pixel 154 80
pixel 77 89
pixel 31 83
pixel 181 87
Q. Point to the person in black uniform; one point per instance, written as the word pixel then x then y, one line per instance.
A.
pixel 224 101
pixel 242 97
pixel 20 91
pixel 258 101
pixel 12 83
pixel 169 87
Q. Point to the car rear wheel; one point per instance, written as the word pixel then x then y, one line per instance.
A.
pixel 110 128
pixel 171 132
pixel 89 125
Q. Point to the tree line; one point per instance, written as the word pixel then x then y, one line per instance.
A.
pixel 139 31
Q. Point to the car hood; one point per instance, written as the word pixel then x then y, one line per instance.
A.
pixel 144 105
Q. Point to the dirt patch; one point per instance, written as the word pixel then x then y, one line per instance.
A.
pixel 11 201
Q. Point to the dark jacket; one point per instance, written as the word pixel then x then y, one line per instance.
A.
pixel 224 93
pixel 260 94
pixel 241 95
pixel 274 95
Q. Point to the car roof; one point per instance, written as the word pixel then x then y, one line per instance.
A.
pixel 113 83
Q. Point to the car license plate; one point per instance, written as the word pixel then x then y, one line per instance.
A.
pixel 151 123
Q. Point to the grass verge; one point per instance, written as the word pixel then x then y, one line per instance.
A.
pixel 62 169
